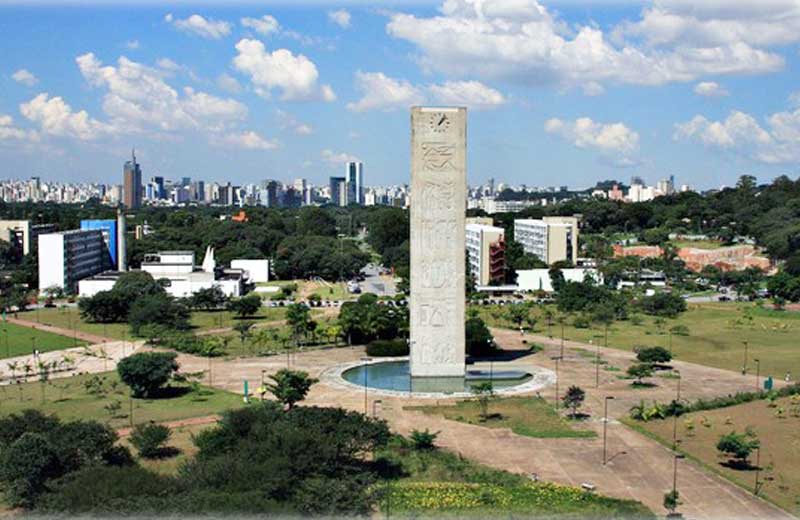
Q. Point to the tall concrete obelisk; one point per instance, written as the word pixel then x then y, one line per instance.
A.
pixel 438 204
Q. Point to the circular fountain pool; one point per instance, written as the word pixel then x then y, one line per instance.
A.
pixel 392 377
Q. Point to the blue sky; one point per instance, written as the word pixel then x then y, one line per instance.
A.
pixel 558 92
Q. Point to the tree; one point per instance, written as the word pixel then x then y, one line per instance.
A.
pixel 149 439
pixel 739 446
pixel 208 298
pixel 244 328
pixel 484 393
pixel 640 371
pixel 104 307
pixel 667 305
pixel 246 306
pixel 290 386
pixel 424 440
pixel 654 355
pixel 134 284
pixel 298 317
pixel 672 501
pixel 146 372
pixel 479 341
pixel 517 314
pixel 574 398
pixel 25 467
pixel 158 309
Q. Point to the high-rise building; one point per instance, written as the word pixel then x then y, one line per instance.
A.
pixel 552 239
pixel 354 179
pixel 485 253
pixel 109 230
pixel 67 257
pixel 132 181
pixel 338 188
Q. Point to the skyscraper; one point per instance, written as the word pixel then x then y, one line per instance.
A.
pixel 354 178
pixel 132 181
pixel 338 191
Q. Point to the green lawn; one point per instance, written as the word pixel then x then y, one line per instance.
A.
pixel 16 340
pixel 69 398
pixel 202 320
pixel 716 335
pixel 699 433
pixel 529 416
pixel 697 244
pixel 69 318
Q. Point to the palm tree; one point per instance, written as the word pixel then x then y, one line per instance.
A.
pixel 28 370
pixel 13 366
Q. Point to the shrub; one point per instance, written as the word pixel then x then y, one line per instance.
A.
pixel 387 348
pixel 581 322
pixel 680 330
pixel 245 306
pixel 149 439
pixel 158 309
pixel 663 304
pixel 479 340
pixel 146 372
pixel 654 355
pixel 290 386
pixel 423 441
pixel 738 445
pixel 640 371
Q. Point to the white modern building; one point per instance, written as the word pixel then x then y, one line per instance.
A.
pixel 178 272
pixel 68 257
pixel 256 271
pixel 485 253
pixel 539 279
pixel 552 239
pixel 354 183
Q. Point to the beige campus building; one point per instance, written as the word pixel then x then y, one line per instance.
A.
pixel 552 239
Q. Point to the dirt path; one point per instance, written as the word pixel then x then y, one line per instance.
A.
pixel 193 421
pixel 83 336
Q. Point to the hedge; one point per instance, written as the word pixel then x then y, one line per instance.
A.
pixel 387 348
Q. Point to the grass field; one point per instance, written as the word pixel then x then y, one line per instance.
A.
pixel 697 244
pixel 780 445
pixel 16 340
pixel 529 416
pixel 181 440
pixel 70 399
pixel 305 288
pixel 717 332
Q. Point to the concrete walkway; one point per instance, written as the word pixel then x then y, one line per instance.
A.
pixel 638 468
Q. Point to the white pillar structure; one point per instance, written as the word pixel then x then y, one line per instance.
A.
pixel 438 205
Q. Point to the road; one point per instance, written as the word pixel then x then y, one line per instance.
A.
pixel 375 283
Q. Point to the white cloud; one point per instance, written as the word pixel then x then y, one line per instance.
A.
pixel 612 138
pixel 712 23
pixel 247 140
pixel 228 83
pixel 794 99
pixel 200 26
pixel 56 117
pixel 710 89
pixel 8 132
pixel 133 44
pixel 295 75
pixel 167 64
pixel 381 92
pixel 332 157
pixel 776 142
pixel 287 120
pixel 522 41
pixel 265 25
pixel 25 77
pixel 340 17
pixel 593 89
pixel 139 100
pixel 472 94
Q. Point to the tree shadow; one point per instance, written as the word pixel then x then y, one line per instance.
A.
pixel 579 416
pixel 739 465
pixel 388 469
pixel 166 452
pixel 500 355
pixel 170 392
pixel 643 384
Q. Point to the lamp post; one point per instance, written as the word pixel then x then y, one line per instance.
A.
pixel 605 427
pixel 675 473
pixel 758 469
pixel 375 404
pixel 556 359
pixel 596 364
pixel 675 415
pixel 562 338
pixel 744 365
pixel 670 342
pixel 366 361
pixel 758 373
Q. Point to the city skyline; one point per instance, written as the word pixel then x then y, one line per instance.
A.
pixel 247 93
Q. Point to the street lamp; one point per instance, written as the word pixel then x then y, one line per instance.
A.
pixel 675 473
pixel 375 404
pixel 744 365
pixel 605 427
pixel 596 364
pixel 562 338
pixel 675 413
pixel 758 469
pixel 758 373
pixel 556 359
pixel 366 361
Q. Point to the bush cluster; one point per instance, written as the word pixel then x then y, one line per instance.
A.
pixel 387 348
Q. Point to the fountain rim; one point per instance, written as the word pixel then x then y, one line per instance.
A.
pixel 333 376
